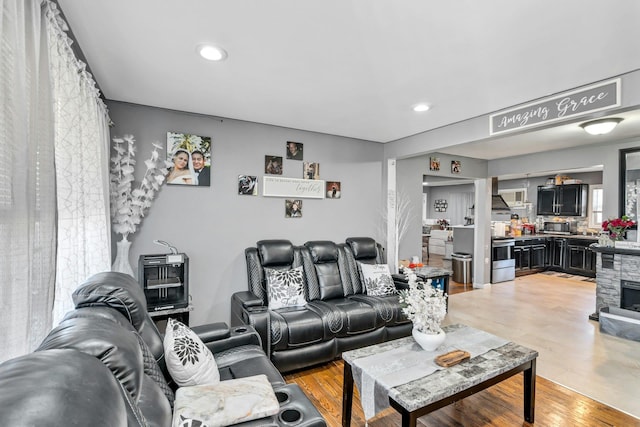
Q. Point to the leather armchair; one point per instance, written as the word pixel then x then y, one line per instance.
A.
pixel 103 365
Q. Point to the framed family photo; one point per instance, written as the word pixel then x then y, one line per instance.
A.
pixel 273 165
pixel 293 208
pixel 294 150
pixel 310 170
pixel 434 164
pixel 247 185
pixel 191 158
pixel 333 190
pixel 456 166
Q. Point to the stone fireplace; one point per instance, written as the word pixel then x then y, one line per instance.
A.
pixel 617 279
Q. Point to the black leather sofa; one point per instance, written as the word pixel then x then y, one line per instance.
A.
pixel 103 365
pixel 338 315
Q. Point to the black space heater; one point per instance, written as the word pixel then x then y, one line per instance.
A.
pixel 165 280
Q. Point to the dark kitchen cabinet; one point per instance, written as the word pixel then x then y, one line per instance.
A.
pixel 530 255
pixel 558 249
pixel 580 258
pixel 537 256
pixel 565 200
pixel 522 257
pixel 547 200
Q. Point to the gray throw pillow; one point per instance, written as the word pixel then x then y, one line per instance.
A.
pixel 377 279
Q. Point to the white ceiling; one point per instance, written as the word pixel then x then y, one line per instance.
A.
pixel 355 68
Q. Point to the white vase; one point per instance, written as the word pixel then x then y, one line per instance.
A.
pixel 428 342
pixel 121 262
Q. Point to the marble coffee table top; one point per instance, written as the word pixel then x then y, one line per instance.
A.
pixel 430 272
pixel 400 369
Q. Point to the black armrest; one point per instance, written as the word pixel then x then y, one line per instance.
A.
pixel 247 299
pixel 212 331
pixel 247 309
pixel 218 337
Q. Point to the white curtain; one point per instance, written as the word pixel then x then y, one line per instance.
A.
pixel 82 168
pixel 54 214
pixel 27 180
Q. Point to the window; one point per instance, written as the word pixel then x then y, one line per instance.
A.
pixel 514 197
pixel 595 206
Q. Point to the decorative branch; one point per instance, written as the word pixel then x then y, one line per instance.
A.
pixel 129 204
pixel 404 216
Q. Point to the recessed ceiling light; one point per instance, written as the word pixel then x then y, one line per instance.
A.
pixel 419 108
pixel 600 127
pixel 212 53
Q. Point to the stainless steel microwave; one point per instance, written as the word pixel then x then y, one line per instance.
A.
pixel 559 227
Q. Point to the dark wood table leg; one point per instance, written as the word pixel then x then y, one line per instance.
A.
pixel 530 392
pixel 409 419
pixel 347 395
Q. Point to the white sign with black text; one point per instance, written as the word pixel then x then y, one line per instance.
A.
pixel 274 186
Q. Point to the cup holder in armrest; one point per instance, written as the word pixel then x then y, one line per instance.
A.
pixel 290 416
pixel 283 397
pixel 240 330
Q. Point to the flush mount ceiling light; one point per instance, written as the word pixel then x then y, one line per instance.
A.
pixel 600 127
pixel 420 108
pixel 211 52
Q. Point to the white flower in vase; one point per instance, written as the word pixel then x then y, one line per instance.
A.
pixel 423 304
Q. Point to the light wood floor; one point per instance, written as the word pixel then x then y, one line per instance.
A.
pixel 584 378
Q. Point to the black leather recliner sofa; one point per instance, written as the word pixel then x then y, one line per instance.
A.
pixel 103 365
pixel 338 315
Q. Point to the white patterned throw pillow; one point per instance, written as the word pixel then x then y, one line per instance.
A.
pixel 284 288
pixel 377 279
pixel 188 360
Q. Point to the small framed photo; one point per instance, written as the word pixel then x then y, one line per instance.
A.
pixel 247 185
pixel 434 164
pixel 333 190
pixel 273 165
pixel 456 166
pixel 310 170
pixel 294 150
pixel 293 208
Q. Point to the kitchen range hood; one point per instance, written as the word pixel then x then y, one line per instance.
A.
pixel 497 202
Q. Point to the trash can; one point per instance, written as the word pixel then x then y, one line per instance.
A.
pixel 461 264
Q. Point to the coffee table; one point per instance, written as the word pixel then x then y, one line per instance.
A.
pixel 414 385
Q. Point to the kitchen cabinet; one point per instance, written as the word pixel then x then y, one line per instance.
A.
pixel 537 256
pixel 564 200
pixel 522 256
pixel 530 255
pixel 558 249
pixel 565 254
pixel 580 258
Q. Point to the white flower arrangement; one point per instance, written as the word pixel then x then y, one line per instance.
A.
pixel 128 204
pixel 423 304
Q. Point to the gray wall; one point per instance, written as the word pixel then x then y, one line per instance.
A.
pixel 454 214
pixel 213 225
